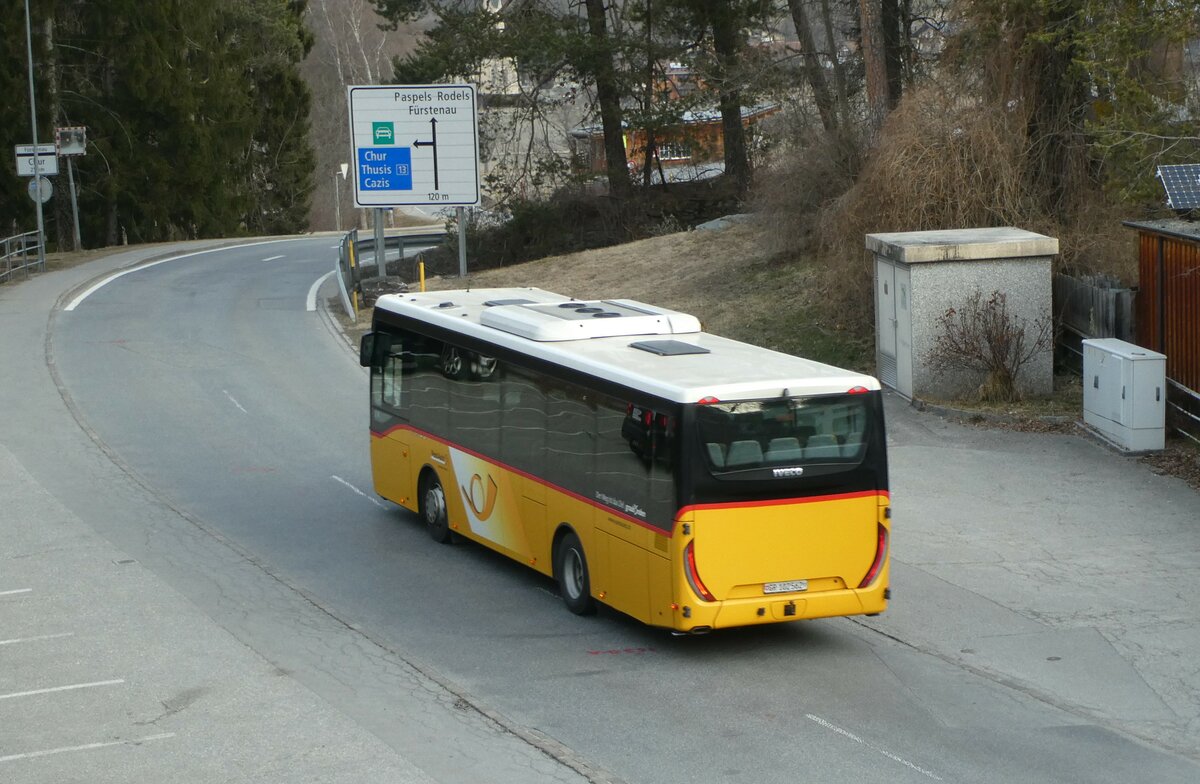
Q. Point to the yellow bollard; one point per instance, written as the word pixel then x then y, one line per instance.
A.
pixel 421 267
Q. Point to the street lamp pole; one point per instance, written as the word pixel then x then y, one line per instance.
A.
pixel 37 174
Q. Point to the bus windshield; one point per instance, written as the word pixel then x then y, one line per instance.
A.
pixel 780 432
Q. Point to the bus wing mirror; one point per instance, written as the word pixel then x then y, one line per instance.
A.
pixel 366 349
pixel 373 349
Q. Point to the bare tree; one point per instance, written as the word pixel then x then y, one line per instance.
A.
pixel 351 48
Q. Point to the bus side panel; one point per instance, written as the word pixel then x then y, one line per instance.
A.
pixel 390 468
pixel 622 577
pixel 659 579
pixel 533 521
pixel 634 575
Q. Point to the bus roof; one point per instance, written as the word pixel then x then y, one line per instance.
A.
pixel 663 352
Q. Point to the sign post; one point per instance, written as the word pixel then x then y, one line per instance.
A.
pixel 415 145
pixel 41 224
pixel 70 143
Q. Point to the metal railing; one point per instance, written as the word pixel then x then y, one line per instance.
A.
pixel 358 262
pixel 18 252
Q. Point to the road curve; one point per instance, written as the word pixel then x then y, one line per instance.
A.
pixel 208 381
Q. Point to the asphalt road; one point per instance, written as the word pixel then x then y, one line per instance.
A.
pixel 1030 639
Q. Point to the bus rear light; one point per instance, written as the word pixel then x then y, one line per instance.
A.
pixel 881 546
pixel 693 576
pixel 707 401
pixel 857 391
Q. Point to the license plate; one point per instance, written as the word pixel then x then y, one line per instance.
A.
pixel 791 586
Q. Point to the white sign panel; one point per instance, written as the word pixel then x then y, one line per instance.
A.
pixel 414 144
pixel 32 161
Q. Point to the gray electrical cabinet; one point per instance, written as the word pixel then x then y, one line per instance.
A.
pixel 1125 394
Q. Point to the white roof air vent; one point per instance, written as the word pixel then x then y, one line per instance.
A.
pixel 577 320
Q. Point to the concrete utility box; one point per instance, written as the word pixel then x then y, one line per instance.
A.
pixel 919 275
pixel 1125 394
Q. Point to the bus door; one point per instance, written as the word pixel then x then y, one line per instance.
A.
pixel 391 471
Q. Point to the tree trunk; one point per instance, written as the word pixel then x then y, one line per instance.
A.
pixel 609 97
pixel 893 56
pixel 841 95
pixel 726 44
pixel 1055 126
pixel 813 70
pixel 873 62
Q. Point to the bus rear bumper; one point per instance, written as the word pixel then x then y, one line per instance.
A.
pixel 781 609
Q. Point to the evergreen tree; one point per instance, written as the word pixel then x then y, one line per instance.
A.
pixel 197 118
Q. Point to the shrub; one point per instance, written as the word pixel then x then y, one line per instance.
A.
pixel 984 337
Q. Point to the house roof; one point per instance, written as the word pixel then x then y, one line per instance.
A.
pixel 690 117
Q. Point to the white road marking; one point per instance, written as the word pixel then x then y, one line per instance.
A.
pixel 370 498
pixel 312 292
pixel 233 400
pixel 86 747
pixel 831 726
pixel 15 591
pixel 17 640
pixel 72 687
pixel 272 258
pixel 101 284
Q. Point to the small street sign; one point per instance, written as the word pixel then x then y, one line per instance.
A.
pixel 32 161
pixel 46 189
pixel 415 144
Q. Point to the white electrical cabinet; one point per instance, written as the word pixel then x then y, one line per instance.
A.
pixel 1125 394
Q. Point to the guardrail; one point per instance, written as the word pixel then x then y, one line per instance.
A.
pixel 18 252
pixel 358 262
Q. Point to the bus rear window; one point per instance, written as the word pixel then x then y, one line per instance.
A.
pixel 780 432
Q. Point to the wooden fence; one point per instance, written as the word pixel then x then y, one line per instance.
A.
pixel 1168 311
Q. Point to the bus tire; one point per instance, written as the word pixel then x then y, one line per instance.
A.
pixel 433 509
pixel 571 571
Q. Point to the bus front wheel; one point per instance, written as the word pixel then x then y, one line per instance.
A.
pixel 570 568
pixel 433 509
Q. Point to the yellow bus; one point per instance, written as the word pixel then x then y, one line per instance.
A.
pixel 688 480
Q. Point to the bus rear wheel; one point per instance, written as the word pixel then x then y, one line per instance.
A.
pixel 433 509
pixel 571 571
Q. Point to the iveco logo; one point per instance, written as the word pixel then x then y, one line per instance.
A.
pixel 785 472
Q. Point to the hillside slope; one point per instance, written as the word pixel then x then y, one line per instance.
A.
pixel 724 277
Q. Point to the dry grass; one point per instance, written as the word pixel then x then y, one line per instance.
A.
pixel 730 279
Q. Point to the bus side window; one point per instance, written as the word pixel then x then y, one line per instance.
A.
pixel 570 422
pixel 523 419
pixel 392 385
pixel 382 353
pixel 428 393
pixel 624 450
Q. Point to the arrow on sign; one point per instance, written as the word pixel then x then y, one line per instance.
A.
pixel 433 144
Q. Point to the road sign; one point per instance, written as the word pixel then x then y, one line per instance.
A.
pixel 46 189
pixel 40 160
pixel 414 144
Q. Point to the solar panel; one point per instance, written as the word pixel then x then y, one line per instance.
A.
pixel 669 348
pixel 1182 182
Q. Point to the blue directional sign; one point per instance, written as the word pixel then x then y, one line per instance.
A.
pixel 385 169
pixel 414 144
